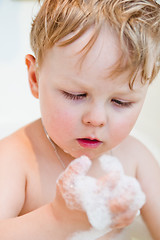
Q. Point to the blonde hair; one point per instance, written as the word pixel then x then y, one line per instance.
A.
pixel 136 22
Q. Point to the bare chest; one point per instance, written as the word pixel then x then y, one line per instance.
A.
pixel 41 183
pixel 40 187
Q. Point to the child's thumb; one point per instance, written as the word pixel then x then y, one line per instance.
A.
pixel 79 166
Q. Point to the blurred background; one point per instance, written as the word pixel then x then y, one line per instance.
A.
pixel 18 107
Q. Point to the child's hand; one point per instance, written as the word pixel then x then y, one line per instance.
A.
pixel 125 201
pixel 126 196
pixel 111 201
pixel 67 181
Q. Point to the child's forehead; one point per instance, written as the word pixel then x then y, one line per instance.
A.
pixel 106 35
pixel 104 52
pixel 98 63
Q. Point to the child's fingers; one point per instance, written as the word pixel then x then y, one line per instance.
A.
pixel 79 166
pixel 126 201
pixel 109 181
pixel 111 164
pixel 118 205
pixel 66 183
pixel 123 220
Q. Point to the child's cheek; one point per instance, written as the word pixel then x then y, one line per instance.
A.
pixel 122 128
pixel 64 120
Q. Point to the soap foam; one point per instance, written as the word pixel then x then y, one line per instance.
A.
pixel 87 193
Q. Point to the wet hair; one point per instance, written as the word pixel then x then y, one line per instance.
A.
pixel 136 23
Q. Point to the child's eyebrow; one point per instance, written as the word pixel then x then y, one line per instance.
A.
pixel 75 84
pixel 131 93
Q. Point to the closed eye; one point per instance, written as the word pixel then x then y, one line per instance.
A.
pixel 73 96
pixel 120 103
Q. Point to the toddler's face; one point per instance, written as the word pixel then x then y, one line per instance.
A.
pixel 84 109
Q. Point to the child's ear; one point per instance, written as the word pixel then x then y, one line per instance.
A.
pixel 32 76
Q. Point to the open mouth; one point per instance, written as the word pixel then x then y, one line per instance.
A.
pixel 89 143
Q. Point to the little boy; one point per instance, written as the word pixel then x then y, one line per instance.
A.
pixel 92 67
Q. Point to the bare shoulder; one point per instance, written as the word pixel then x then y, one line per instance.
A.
pixel 130 144
pixel 15 153
pixel 143 156
pixel 18 150
pixel 14 146
pixel 134 155
pixel 147 167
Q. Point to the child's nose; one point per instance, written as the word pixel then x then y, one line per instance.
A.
pixel 95 116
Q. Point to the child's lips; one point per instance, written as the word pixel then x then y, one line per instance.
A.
pixel 89 143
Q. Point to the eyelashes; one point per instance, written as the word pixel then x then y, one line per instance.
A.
pixel 72 96
pixel 121 103
pixel 81 96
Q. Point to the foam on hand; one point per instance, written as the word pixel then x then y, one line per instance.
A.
pixel 127 188
pixel 105 199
